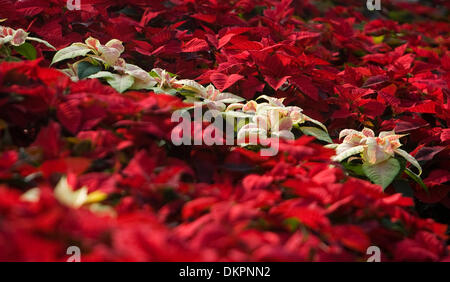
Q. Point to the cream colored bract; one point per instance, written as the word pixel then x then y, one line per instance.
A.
pixel 373 150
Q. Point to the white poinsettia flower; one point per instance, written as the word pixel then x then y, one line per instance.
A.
pixel 67 196
pixel 249 107
pixel 211 96
pixel 268 121
pixel 270 118
pixel 14 36
pixel 142 80
pixel 17 37
pixel 164 80
pixel 126 76
pixel 372 149
pixel 294 112
pixel 108 53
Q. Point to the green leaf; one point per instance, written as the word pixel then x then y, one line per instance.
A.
pixel 378 39
pixel 354 168
pixel 159 90
pixel 316 132
pixel 292 223
pixel 401 16
pixel 70 52
pixel 27 50
pixel 154 74
pixel 120 82
pixel 85 69
pixel 394 225
pixel 416 178
pixel 382 173
pixel 12 59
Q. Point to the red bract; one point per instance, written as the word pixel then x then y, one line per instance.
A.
pixel 83 165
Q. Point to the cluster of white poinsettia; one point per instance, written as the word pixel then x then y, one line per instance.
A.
pixel 209 95
pixel 105 57
pixel 270 118
pixel 267 116
pixel 376 152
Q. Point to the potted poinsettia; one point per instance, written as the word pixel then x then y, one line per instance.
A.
pixel 378 154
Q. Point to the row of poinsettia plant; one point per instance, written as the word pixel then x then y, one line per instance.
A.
pixel 379 164
pixel 268 119
pixel 80 153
